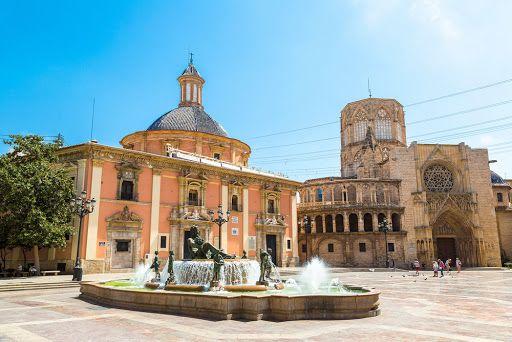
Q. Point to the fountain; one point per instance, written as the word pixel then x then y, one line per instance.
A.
pixel 217 285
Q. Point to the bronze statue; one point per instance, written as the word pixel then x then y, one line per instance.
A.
pixel 200 249
pixel 218 262
pixel 244 254
pixel 170 269
pixel 266 265
pixel 156 267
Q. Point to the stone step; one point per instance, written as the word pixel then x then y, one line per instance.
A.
pixel 37 286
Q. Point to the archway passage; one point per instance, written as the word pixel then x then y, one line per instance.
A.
pixel 446 249
pixel 453 237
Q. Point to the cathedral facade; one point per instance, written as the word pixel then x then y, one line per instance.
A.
pixel 435 200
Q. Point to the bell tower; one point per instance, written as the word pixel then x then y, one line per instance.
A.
pixel 191 84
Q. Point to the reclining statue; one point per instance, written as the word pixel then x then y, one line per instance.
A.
pixel 200 249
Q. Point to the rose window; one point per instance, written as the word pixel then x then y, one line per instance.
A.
pixel 438 178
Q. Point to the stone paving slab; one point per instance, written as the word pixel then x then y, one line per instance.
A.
pixel 471 306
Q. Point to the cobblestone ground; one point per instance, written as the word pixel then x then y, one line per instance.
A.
pixel 471 306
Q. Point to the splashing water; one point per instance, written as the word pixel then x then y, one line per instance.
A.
pixel 141 275
pixel 314 275
pixel 336 286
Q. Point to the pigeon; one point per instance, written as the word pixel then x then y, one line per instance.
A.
pixel 371 269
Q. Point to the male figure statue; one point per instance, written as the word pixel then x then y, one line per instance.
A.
pixel 156 267
pixel 265 267
pixel 200 249
pixel 171 279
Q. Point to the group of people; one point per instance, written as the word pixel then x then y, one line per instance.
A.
pixel 438 266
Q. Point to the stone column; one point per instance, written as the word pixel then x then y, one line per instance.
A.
pixel 360 222
pixel 224 202
pixel 295 240
pixel 323 223
pixel 155 211
pixel 375 222
pixel 333 222
pixel 245 219
pixel 346 227
pixel 92 227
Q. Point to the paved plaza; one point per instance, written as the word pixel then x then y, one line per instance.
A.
pixel 475 305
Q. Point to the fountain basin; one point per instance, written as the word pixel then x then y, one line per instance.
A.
pixel 185 288
pixel 235 305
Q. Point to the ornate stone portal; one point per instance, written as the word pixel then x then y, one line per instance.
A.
pixel 124 232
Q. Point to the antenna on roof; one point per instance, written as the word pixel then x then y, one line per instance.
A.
pixel 369 90
pixel 92 118
pixel 191 61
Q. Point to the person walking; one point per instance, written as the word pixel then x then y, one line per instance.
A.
pixel 435 268
pixel 440 264
pixel 447 266
pixel 416 264
pixel 458 264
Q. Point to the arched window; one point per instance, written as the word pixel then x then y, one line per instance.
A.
pixel 382 125
pixel 337 194
pixel 368 222
pixel 339 223
pixel 319 195
pixel 381 217
pixel 360 128
pixel 271 206
pixel 193 197
pixel 234 202
pixel 395 222
pixel 353 222
pixel 127 190
pixel 319 224
pixel 328 195
pixel 328 224
pixel 351 191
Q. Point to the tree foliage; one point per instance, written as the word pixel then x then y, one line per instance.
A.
pixel 35 194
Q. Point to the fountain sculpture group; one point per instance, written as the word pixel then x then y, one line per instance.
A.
pixel 218 285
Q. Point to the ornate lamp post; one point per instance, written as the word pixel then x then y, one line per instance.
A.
pixel 307 228
pixel 82 207
pixel 220 220
pixel 384 227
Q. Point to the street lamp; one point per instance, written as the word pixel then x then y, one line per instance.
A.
pixel 307 228
pixel 384 227
pixel 220 220
pixel 82 207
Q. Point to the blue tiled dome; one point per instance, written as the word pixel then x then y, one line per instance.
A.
pixel 497 179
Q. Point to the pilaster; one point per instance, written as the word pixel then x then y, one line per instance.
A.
pixel 155 210
pixel 92 227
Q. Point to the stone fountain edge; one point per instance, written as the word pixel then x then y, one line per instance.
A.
pixel 225 306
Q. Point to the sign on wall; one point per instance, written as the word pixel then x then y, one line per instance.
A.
pixel 102 243
pixel 234 219
pixel 234 231
pixel 252 242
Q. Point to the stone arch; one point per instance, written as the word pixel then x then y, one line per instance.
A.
pixel 338 195
pixel 319 195
pixel 381 217
pixel 368 222
pixel 353 222
pixel 453 236
pixel 319 224
pixel 339 223
pixel 328 224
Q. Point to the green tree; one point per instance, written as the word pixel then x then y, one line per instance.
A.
pixel 35 195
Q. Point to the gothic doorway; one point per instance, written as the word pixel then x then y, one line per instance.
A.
pixel 453 237
pixel 446 249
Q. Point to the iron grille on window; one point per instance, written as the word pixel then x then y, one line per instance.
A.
pixel 438 178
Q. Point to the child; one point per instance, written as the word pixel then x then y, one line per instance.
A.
pixel 458 264
pixel 447 266
pixel 435 267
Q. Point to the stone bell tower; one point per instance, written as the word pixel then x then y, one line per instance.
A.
pixel 384 118
pixel 191 86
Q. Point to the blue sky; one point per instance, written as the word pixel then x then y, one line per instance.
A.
pixel 269 66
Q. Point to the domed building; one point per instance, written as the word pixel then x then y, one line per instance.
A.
pixel 435 200
pixel 163 180
pixel 502 195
